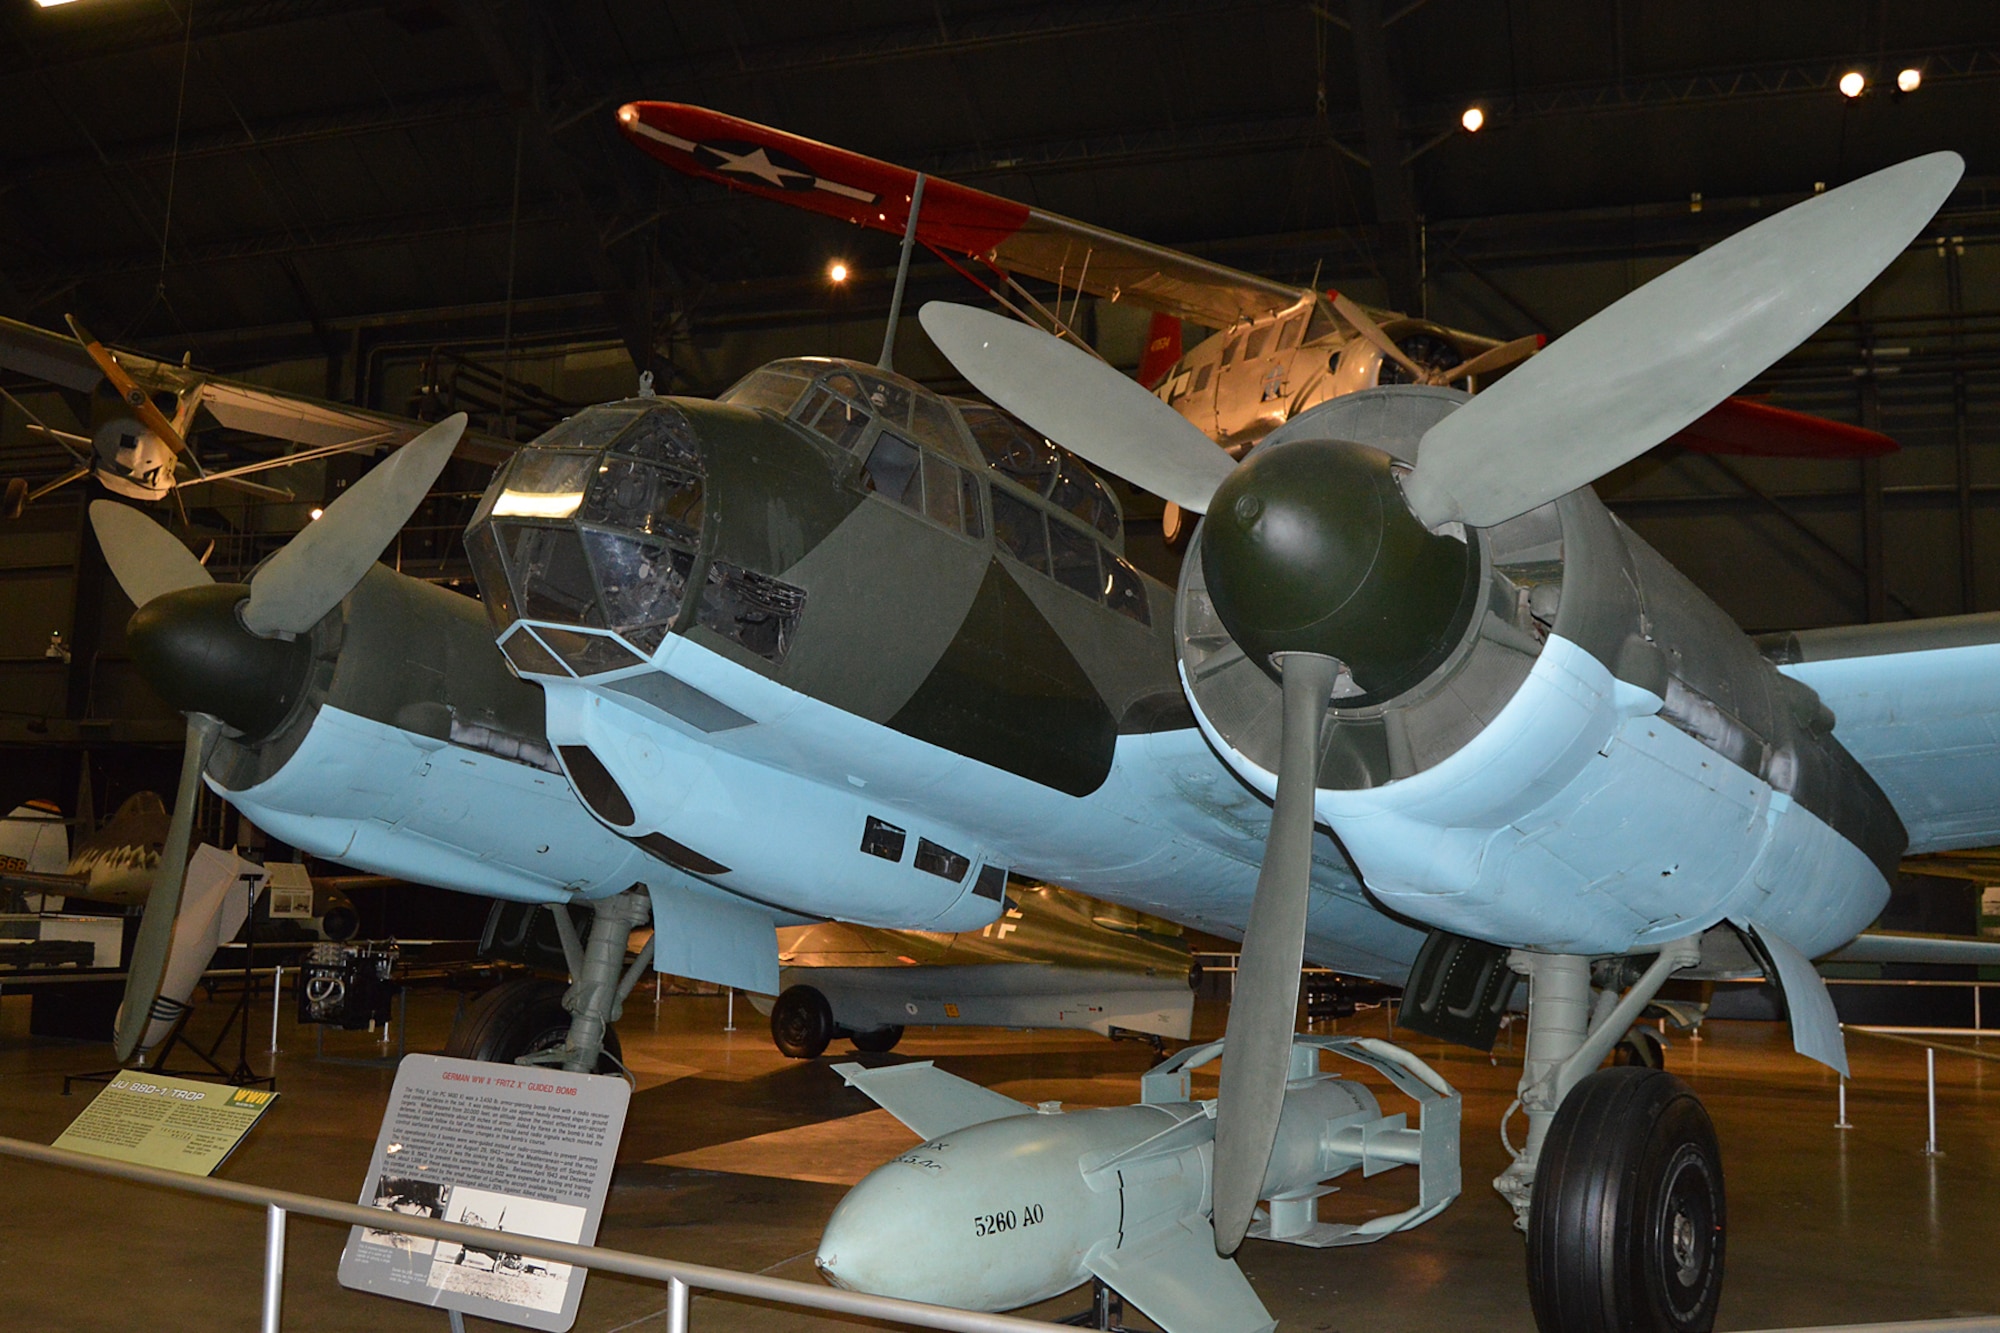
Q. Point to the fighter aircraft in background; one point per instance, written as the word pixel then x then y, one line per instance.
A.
pixel 837 647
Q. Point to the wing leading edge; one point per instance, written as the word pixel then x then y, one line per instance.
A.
pixel 1918 704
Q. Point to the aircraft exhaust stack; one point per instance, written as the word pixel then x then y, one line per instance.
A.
pixel 1007 1204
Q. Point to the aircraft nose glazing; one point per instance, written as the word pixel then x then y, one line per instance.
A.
pixel 597 523
pixel 194 651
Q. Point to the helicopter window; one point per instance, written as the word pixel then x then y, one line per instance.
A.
pixel 840 422
pixel 1011 448
pixel 774 389
pixel 991 884
pixel 1021 530
pixel 553 576
pixel 1179 388
pixel 1322 324
pixel 1229 352
pixel 941 861
pixel 1288 336
pixel 590 428
pixel 940 490
pixel 1074 559
pixel 1124 590
pixel 1201 376
pixel 1253 347
pixel 1081 493
pixel 891 470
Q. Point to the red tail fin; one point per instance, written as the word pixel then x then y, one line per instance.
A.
pixel 1163 350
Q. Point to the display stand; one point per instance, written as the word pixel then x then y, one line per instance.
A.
pixel 1106 1312
pixel 243 1076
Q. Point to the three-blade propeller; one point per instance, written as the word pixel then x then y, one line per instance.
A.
pixel 288 595
pixel 1619 384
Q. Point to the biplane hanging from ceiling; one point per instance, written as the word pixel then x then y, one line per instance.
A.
pixel 1277 350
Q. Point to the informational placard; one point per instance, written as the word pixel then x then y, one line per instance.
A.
pixel 509 1148
pixel 174 1123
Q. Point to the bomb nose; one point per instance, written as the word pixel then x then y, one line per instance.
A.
pixel 192 648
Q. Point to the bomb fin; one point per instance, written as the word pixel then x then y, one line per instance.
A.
pixel 1181 1284
pixel 928 1100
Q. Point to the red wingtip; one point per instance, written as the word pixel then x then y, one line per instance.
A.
pixel 1748 428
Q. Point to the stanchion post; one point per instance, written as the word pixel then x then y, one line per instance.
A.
pixel 277 999
pixel 274 1266
pixel 729 1019
pixel 1930 1090
pixel 1841 1123
pixel 677 1306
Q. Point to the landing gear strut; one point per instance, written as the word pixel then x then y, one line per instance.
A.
pixel 535 1022
pixel 1619 1185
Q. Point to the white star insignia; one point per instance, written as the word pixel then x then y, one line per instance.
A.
pixel 758 164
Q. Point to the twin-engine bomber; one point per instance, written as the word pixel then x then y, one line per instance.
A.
pixel 837 647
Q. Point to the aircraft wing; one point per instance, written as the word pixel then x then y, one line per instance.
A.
pixel 1891 946
pixel 1918 703
pixel 57 359
pixel 32 881
pixel 955 220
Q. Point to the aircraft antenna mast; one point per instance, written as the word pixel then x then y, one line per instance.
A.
pixel 887 361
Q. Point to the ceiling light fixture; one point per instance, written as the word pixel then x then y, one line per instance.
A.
pixel 1909 80
pixel 1473 119
pixel 1853 83
pixel 836 272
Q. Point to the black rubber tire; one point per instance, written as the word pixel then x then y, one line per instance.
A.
pixel 802 1023
pixel 879 1040
pixel 517 1018
pixel 1627 1222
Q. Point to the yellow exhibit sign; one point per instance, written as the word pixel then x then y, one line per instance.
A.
pixel 177 1124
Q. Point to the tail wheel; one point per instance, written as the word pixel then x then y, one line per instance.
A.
pixel 1627 1223
pixel 802 1023
pixel 879 1040
pixel 517 1018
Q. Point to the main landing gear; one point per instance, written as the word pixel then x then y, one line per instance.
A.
pixel 534 1021
pixel 1619 1185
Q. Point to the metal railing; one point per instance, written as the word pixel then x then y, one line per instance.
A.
pixel 681 1279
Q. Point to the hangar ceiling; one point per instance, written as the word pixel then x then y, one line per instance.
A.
pixel 245 179
pixel 395 201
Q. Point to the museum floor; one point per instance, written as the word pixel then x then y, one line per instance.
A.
pixel 734 1156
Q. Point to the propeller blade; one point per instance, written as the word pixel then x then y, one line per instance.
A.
pixel 1646 366
pixel 145 558
pixel 1081 403
pixel 1257 1048
pixel 1506 354
pixel 312 572
pixel 135 397
pixel 148 964
pixel 1365 325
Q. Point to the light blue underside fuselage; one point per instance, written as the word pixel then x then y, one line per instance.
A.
pixel 782 802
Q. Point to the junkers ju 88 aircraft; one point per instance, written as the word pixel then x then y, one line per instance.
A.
pixel 833 646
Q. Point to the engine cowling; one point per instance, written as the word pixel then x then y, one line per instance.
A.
pixel 1558 743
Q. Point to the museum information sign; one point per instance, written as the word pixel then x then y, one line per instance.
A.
pixel 173 1123
pixel 506 1147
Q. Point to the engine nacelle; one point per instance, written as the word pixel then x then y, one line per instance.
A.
pixel 1600 762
